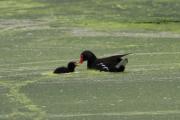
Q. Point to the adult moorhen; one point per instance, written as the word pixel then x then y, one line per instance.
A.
pixel 109 64
pixel 70 68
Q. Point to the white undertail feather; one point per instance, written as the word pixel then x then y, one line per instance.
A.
pixel 123 62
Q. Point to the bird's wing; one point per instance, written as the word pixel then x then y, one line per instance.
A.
pixel 115 56
pixel 111 61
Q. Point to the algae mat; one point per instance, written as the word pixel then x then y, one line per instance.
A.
pixel 38 36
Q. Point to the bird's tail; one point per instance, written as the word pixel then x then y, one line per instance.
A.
pixel 124 54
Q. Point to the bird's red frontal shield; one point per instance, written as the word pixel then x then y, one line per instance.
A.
pixel 81 59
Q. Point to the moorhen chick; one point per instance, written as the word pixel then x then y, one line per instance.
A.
pixel 70 68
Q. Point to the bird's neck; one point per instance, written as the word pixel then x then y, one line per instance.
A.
pixel 71 68
pixel 90 62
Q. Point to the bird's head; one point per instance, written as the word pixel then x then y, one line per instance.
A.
pixel 72 65
pixel 87 56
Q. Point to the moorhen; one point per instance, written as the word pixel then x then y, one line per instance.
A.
pixel 108 64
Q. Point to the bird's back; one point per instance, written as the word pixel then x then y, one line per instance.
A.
pixel 61 70
pixel 107 63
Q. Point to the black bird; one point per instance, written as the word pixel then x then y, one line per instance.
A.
pixel 109 64
pixel 70 68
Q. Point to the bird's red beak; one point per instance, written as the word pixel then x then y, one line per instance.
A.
pixel 81 59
